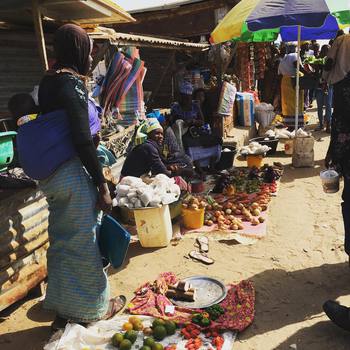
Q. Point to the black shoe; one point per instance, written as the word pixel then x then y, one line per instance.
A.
pixel 338 314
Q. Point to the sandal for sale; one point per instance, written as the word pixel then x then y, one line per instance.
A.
pixel 202 243
pixel 115 305
pixel 201 257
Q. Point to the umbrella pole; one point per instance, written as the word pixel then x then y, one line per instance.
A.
pixel 297 85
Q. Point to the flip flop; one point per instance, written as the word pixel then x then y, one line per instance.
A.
pixel 201 257
pixel 202 243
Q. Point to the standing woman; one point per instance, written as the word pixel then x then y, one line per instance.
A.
pixel 78 288
pixel 337 73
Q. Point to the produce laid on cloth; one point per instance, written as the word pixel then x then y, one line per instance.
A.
pixel 238 304
pixel 164 335
pixel 134 193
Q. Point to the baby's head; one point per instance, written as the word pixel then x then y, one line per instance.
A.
pixel 22 104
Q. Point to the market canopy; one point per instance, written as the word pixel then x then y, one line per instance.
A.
pixel 263 20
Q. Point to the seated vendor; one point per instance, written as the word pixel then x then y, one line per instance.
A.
pixel 200 144
pixel 146 158
pixel 170 149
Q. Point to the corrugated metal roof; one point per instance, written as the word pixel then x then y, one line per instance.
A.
pixel 124 39
pixel 78 11
pixel 166 5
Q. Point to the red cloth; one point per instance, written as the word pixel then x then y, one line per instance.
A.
pixel 239 306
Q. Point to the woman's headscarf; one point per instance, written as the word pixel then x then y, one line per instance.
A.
pixel 72 48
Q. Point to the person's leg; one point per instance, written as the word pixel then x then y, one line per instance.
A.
pixel 346 213
pixel 329 105
pixel 311 97
pixel 320 101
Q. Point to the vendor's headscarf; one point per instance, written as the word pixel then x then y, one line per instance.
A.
pixel 72 48
pixel 155 114
pixel 186 88
pixel 153 124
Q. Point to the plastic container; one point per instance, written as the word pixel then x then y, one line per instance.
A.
pixel 113 241
pixel 264 114
pixel 154 227
pixel 330 181
pixel 255 160
pixel 271 142
pixel 227 158
pixel 193 219
pixel 6 148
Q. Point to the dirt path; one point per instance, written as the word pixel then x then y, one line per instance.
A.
pixel 299 265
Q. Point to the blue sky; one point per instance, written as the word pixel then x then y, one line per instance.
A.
pixel 140 4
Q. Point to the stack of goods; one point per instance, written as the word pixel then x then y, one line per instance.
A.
pixel 122 74
pixel 132 106
pixel 182 290
pixel 246 107
pixel 134 193
pixel 254 148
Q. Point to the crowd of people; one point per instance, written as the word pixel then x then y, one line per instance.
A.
pixel 178 145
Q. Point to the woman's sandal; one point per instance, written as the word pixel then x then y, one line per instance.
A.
pixel 115 305
pixel 202 243
pixel 201 257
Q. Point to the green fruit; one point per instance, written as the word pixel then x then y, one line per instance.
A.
pixel 117 339
pixel 157 346
pixel 149 342
pixel 125 345
pixel 170 327
pixel 131 335
pixel 145 348
pixel 158 322
pixel 159 332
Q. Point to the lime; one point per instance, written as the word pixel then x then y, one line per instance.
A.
pixel 117 339
pixel 159 332
pixel 170 327
pixel 125 345
pixel 158 322
pixel 157 346
pixel 149 342
pixel 145 348
pixel 131 335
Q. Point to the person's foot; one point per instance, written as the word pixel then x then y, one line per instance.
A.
pixel 338 314
pixel 115 305
pixel 319 128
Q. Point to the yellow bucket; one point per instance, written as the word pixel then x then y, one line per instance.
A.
pixel 193 219
pixel 255 160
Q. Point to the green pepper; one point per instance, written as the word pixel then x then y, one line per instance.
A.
pixel 205 322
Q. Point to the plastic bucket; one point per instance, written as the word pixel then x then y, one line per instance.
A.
pixel 227 158
pixel 154 227
pixel 255 161
pixel 193 219
pixel 330 181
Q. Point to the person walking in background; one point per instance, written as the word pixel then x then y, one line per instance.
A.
pixel 324 94
pixel 288 69
pixel 336 73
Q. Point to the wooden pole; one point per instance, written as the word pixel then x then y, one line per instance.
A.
pixel 38 25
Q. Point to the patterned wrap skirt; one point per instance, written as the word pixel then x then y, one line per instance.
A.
pixel 77 284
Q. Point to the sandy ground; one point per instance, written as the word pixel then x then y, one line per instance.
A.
pixel 300 264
